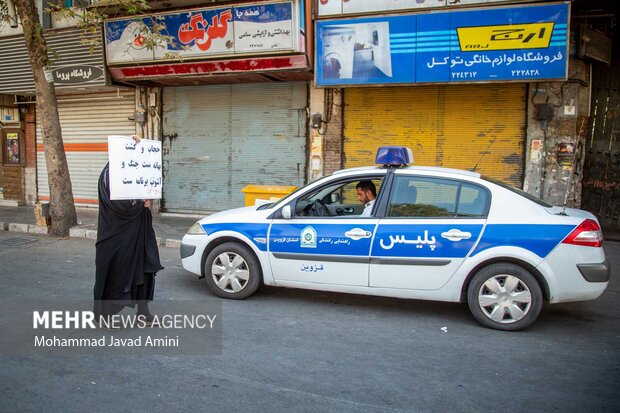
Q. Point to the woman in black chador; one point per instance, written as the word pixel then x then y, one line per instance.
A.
pixel 126 254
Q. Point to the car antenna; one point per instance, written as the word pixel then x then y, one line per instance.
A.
pixel 484 154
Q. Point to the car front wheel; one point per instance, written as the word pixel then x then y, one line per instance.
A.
pixel 505 297
pixel 232 271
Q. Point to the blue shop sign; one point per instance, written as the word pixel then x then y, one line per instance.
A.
pixel 496 44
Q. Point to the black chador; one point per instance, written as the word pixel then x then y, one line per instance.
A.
pixel 126 255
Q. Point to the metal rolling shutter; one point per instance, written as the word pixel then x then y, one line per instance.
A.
pixel 64 49
pixel 218 139
pixel 454 126
pixel 86 121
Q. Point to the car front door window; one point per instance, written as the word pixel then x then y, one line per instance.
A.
pixel 338 200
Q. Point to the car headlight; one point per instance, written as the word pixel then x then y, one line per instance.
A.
pixel 196 229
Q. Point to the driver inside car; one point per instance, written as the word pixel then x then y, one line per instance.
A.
pixel 366 194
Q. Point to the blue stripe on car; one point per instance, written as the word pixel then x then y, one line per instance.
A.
pixel 255 232
pixel 539 239
pixel 423 241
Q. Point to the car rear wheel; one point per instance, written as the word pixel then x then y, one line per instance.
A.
pixel 232 271
pixel 505 297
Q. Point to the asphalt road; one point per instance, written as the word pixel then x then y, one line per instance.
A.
pixel 293 350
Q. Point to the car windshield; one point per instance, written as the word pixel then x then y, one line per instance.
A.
pixel 520 192
pixel 279 201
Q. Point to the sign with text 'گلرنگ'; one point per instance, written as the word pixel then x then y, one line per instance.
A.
pixel 205 32
pixel 135 168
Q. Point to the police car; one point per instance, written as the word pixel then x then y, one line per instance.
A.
pixel 433 234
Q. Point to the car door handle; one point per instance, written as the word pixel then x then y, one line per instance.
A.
pixel 358 233
pixel 456 235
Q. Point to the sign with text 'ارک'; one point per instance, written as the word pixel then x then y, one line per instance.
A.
pixel 135 168
pixel 518 43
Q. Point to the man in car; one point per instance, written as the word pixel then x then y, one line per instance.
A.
pixel 366 194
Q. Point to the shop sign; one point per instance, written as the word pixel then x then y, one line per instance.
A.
pixel 522 43
pixel 339 7
pixel 76 74
pixel 206 32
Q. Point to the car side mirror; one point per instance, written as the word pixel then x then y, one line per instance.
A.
pixel 335 197
pixel 287 213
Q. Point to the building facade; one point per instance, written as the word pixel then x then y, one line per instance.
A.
pixel 90 108
pixel 283 92
pixel 228 95
pixel 491 86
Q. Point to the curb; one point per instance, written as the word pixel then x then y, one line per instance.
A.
pixel 74 232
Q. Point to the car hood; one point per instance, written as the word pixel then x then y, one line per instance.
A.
pixel 243 214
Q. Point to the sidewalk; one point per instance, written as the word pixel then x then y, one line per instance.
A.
pixel 169 229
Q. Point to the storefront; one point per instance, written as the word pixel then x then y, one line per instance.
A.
pixel 86 120
pixel 90 108
pixel 233 107
pixel 452 84
pixel 12 152
pixel 243 134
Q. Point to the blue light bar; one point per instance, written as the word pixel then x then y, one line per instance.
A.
pixel 394 156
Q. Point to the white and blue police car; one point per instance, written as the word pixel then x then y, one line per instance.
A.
pixel 433 234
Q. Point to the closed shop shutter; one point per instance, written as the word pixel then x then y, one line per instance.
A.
pixel 218 139
pixel 86 121
pixel 454 126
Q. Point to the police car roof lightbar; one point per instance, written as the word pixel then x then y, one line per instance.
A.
pixel 394 156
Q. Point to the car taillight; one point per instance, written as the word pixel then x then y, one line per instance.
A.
pixel 588 233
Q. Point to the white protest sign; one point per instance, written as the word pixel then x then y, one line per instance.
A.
pixel 135 168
